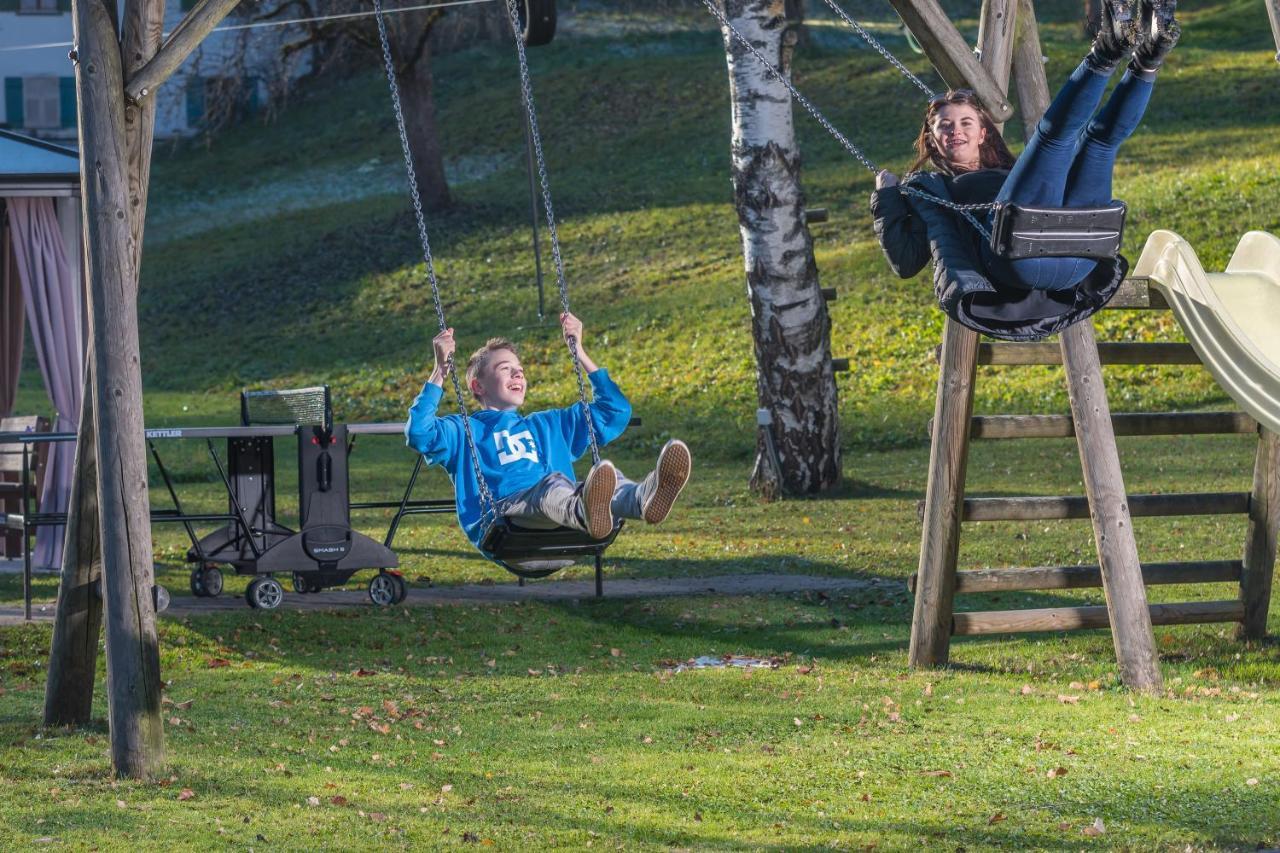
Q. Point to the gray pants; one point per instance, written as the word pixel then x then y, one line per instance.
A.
pixel 554 501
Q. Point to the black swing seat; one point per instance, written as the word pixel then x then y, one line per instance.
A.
pixel 532 553
pixel 1021 231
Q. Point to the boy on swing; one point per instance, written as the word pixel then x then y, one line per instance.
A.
pixel 527 460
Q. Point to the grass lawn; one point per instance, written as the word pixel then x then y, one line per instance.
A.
pixel 284 254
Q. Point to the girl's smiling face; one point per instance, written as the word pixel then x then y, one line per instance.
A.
pixel 958 134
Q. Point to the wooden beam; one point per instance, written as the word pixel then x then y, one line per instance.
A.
pixel 133 653
pixel 1140 506
pixel 1089 577
pixel 185 38
pixel 1131 634
pixel 1137 293
pixel 996 30
pixel 1077 618
pixel 1260 541
pixel 1118 352
pixel 1028 69
pixel 944 495
pixel 77 625
pixel 951 54
pixel 1130 424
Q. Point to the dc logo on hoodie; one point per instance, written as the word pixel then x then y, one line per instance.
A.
pixel 517 447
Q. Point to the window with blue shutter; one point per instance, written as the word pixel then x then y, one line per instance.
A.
pixel 67 100
pixel 13 102
pixel 195 101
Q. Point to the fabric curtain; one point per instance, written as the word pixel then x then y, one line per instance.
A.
pixel 11 322
pixel 53 315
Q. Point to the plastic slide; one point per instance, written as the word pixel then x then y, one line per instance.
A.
pixel 1232 318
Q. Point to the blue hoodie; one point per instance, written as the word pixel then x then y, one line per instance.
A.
pixel 516 451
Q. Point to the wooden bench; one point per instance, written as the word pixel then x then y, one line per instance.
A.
pixel 11 488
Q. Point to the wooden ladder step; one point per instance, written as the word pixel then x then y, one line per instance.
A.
pixel 1120 352
pixel 1075 618
pixel 1090 577
pixel 1131 423
pixel 1140 506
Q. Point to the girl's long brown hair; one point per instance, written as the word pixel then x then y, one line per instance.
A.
pixel 993 154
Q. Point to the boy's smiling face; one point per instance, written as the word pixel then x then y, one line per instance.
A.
pixel 501 384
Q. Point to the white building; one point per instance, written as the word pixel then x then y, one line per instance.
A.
pixel 39 80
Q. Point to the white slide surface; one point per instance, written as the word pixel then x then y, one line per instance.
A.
pixel 1232 318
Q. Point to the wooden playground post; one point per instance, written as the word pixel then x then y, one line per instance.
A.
pixel 944 496
pixel 1108 509
pixel 1260 542
pixel 115 156
pixel 953 409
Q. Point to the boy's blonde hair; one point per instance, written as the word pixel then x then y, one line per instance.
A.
pixel 480 358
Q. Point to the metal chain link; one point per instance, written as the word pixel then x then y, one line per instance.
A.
pixel 880 49
pixel 526 91
pixel 962 209
pixel 489 505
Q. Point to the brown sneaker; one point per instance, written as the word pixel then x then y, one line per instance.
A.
pixel 597 498
pixel 664 485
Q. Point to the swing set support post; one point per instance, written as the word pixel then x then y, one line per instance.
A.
pixel 1127 609
pixel 944 496
pixel 931 624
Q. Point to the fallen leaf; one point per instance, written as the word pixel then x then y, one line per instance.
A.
pixel 797 721
pixel 444 789
pixel 1095 829
pixel 214 663
pixel 377 817
pixel 1027 690
pixel 617 653
pixel 363 673
pixel 1067 699
pixel 185 706
pixel 995 818
pixel 940 773
pixel 186 794
pixel 313 801
pixel 1055 772
pixel 1251 781
pixel 338 800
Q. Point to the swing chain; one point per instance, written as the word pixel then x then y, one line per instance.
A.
pixel 486 496
pixel 880 49
pixel 526 91
pixel 962 209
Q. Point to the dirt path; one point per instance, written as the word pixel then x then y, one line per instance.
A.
pixel 182 607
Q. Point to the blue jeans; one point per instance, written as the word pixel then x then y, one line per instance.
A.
pixel 1068 163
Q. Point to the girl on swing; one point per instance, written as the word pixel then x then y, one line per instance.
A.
pixel 1067 163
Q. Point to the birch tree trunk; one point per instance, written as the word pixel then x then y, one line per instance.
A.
pixel 790 324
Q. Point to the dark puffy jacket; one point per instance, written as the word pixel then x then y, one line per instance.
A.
pixel 911 231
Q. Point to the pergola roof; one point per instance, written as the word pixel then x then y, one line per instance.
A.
pixel 33 167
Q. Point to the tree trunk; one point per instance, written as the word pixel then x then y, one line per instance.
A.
pixel 417 95
pixel 78 619
pixel 77 626
pixel 790 324
pixel 133 653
